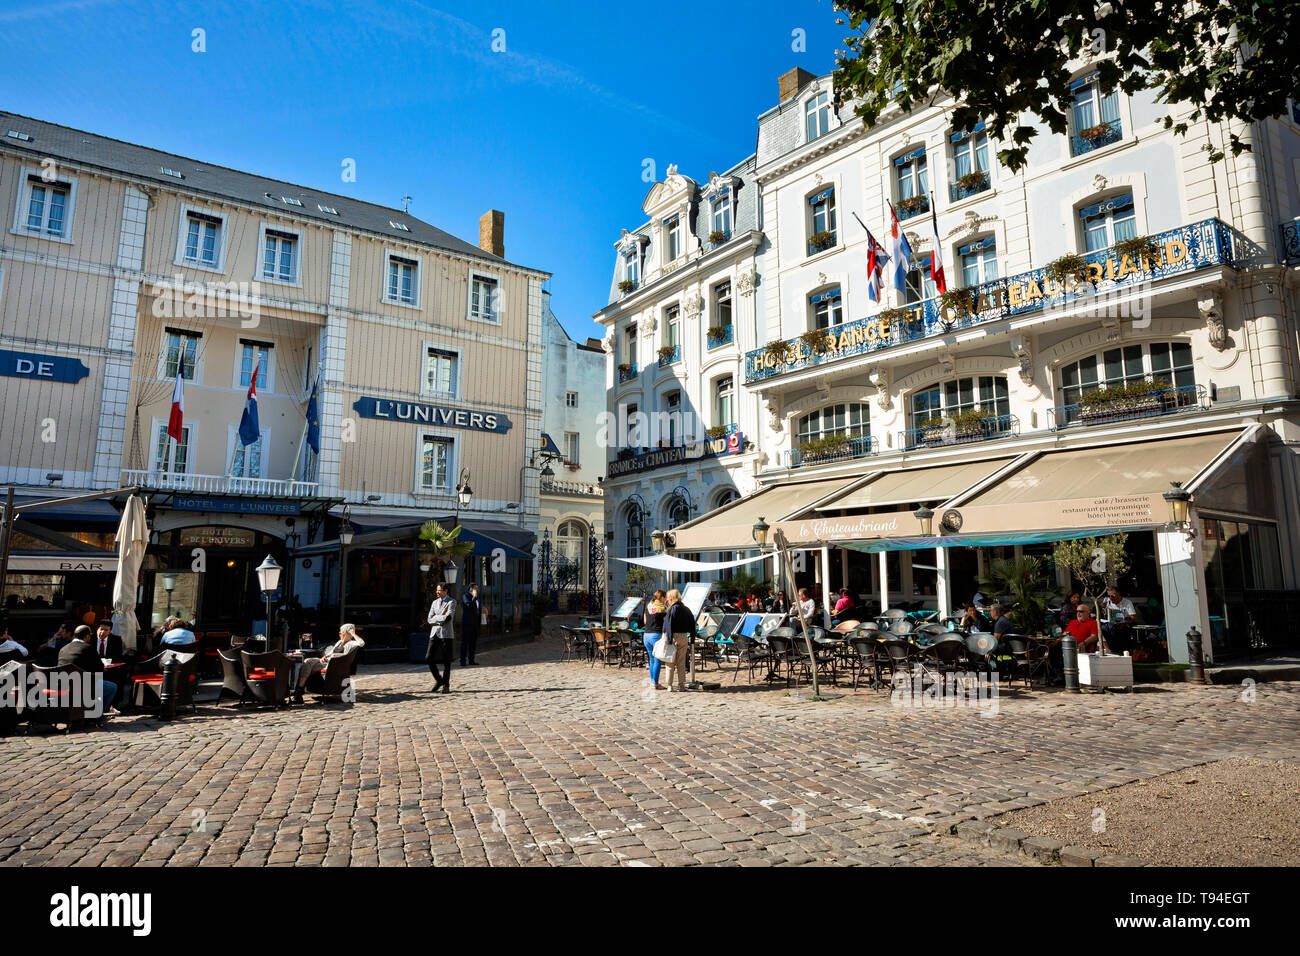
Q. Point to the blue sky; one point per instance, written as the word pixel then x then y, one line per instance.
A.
pixel 553 131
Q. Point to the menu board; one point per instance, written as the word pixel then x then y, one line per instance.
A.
pixel 627 608
pixel 694 596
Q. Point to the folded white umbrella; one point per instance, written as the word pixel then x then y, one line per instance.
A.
pixel 132 540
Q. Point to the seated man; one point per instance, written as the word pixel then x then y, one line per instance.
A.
pixel 81 652
pixel 349 642
pixel 177 632
pixel 107 644
pixel 1117 619
pixel 1083 629
pixel 1001 623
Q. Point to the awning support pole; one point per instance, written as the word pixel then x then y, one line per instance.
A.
pixel 941 582
pixel 826 585
pixel 884 582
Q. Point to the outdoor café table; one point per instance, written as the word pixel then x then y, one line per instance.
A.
pixel 117 673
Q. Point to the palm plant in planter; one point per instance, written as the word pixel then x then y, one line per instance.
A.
pixel 821 240
pixel 822 449
pixel 441 545
pixel 627 285
pixel 1069 266
pixel 1131 400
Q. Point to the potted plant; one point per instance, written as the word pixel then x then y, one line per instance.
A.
pixel 814 339
pixel 1094 133
pixel 716 431
pixel 442 545
pixel 627 285
pixel 717 331
pixel 541 603
pixel 1024 580
pixel 1097 563
pixel 666 352
pixel 912 204
pixel 1139 248
pixel 977 179
pixel 1070 265
pixel 821 240
pixel 957 300
pixel 892 316
pixel 823 449
pixel 626 367
pixel 1134 400
pixel 778 349
pixel 717 236
pixel 965 426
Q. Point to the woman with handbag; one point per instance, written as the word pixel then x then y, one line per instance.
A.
pixel 679 627
pixel 654 629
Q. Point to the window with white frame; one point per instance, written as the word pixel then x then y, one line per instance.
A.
pixel 821 220
pixel 572 443
pixel 632 266
pixel 986 393
pixel 826 308
pixel 1106 222
pixel 724 400
pixel 1168 363
pixel 721 206
pixel 672 238
pixel 435 464
pixel 180 348
pixel 817 116
pixel 440 371
pixel 279 256
pixel 403 281
pixel 919 284
pixel 722 304
pixel 847 420
pixel 484 299
pixel 979 261
pixel 673 416
pixel 246 460
pixel 911 177
pixel 203 239
pixel 255 355
pixel 629 344
pixel 1094 113
pixel 673 326
pixel 970 151
pixel 169 455
pixel 48 211
pixel 571 399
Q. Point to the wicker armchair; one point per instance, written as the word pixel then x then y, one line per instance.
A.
pixel 267 675
pixel 329 683
pixel 147 681
pixel 232 677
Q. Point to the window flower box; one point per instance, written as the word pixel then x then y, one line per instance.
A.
pixel 717 237
pixel 626 286
pixel 913 206
pixel 820 241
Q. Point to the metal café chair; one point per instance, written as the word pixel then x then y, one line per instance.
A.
pixel 780 642
pixel 867 657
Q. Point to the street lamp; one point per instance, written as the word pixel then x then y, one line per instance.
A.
pixel 268 576
pixel 657 541
pixel 345 539
pixel 1179 500
pixel 761 529
pixel 450 572
pixel 464 493
pixel 926 517
pixel 169 585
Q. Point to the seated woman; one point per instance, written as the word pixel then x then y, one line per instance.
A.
pixel 843 607
pixel 349 643
pixel 973 620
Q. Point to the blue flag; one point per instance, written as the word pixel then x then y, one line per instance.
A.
pixel 313 417
pixel 249 432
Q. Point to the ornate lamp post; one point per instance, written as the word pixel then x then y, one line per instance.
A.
pixel 268 577
pixel 345 539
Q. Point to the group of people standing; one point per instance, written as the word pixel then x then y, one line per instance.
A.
pixel 666 614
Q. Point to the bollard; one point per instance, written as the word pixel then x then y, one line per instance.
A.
pixel 1070 663
pixel 1195 659
pixel 171 671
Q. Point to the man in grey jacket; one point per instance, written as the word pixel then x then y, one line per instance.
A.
pixel 442 620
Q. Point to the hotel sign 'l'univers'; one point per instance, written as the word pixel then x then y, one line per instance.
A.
pixel 419 413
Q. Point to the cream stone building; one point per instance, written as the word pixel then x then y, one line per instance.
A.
pixel 123 264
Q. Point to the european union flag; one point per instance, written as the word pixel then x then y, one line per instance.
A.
pixel 313 417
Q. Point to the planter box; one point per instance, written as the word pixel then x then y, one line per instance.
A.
pixel 1109 671
pixel 1135 409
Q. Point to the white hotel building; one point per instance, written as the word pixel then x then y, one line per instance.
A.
pixel 991 407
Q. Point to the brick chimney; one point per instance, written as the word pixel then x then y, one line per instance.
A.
pixel 492 233
pixel 791 83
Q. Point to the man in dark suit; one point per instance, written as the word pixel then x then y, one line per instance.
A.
pixel 81 651
pixel 107 644
pixel 470 617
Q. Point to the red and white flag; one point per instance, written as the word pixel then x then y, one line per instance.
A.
pixel 936 255
pixel 177 420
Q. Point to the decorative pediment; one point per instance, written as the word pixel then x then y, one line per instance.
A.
pixel 630 242
pixel 665 197
pixel 718 185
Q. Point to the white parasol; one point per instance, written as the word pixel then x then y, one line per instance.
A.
pixel 132 539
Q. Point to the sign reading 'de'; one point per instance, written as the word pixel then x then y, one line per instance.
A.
pixel 50 368
pixel 418 413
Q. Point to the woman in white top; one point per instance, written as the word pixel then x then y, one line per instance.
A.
pixel 807 606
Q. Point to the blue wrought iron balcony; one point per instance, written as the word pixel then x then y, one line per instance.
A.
pixel 1097 409
pixel 1094 137
pixel 820 242
pixel 670 355
pixel 827 450
pixel 724 337
pixel 959 433
pixel 969 185
pixel 626 372
pixel 1200 245
pixel 914 206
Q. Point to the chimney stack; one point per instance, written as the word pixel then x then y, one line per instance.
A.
pixel 792 82
pixel 492 233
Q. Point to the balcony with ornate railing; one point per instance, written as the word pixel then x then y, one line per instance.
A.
pixel 219 484
pixel 577 489
pixel 717 339
pixel 1095 137
pixel 1096 408
pixel 955 431
pixel 912 206
pixel 670 355
pixel 1291 242
pixel 969 185
pixel 626 372
pixel 1202 245
pixel 826 450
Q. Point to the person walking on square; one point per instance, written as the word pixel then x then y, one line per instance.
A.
pixel 680 623
pixel 471 610
pixel 655 610
pixel 442 631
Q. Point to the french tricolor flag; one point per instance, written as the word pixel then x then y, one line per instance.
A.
pixel 936 254
pixel 249 432
pixel 177 420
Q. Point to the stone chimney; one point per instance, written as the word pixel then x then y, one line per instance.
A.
pixel 791 83
pixel 492 233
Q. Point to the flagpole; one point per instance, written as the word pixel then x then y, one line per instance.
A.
pixel 302 440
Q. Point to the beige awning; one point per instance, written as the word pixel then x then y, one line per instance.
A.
pixel 731 527
pixel 938 483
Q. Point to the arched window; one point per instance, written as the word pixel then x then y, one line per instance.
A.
pixel 848 419
pixel 983 393
pixel 679 512
pixel 725 497
pixel 1169 363
pixel 571 548
pixel 817 116
pixel 635 540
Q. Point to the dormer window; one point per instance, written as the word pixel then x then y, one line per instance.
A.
pixel 672 238
pixel 817 116
pixel 632 267
pixel 722 214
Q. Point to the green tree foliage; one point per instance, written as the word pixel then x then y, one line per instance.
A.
pixel 1096 563
pixel 1008 62
pixel 1024 581
pixel 639 581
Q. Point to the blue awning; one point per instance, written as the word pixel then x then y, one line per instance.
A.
pixel 101 511
pixel 486 545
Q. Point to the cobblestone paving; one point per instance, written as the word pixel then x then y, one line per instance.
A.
pixel 534 762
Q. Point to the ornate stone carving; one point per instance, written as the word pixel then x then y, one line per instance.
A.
pixel 745 282
pixel 672 171
pixel 821 278
pixel 694 305
pixel 1212 314
pixel 947 360
pixel 774 410
pixel 823 389
pixel 607 343
pixel 882 378
pixel 647 325
pixel 1099 183
pixel 1020 348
